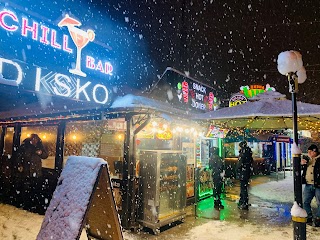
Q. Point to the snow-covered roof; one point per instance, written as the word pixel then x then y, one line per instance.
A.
pixel 268 111
pixel 63 107
pixel 264 108
pixel 133 102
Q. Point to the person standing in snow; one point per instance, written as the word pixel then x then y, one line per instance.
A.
pixel 244 169
pixel 217 166
pixel 311 179
pixel 29 167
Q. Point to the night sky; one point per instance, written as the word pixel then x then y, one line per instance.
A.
pixel 223 44
pixel 226 44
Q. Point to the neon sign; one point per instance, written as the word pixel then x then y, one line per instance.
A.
pixel 80 38
pixel 56 83
pixel 105 67
pixel 164 135
pixel 254 90
pixel 200 99
pixel 10 22
pixel 237 99
pixel 184 92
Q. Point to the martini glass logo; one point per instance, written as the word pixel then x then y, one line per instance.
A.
pixel 80 38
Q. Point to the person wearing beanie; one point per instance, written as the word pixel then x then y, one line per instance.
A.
pixel 311 179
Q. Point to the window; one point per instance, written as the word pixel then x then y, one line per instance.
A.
pixel 103 138
pixel 48 135
pixel 8 142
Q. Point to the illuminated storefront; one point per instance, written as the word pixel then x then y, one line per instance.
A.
pixel 64 79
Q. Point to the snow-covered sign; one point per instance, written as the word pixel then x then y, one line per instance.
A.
pixel 83 198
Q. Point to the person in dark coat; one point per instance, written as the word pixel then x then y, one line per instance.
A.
pixel 311 179
pixel 29 168
pixel 216 164
pixel 244 169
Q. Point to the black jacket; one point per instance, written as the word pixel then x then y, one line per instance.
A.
pixel 29 160
pixel 217 166
pixel 245 163
pixel 316 172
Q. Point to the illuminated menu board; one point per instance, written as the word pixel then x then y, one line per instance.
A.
pixel 184 92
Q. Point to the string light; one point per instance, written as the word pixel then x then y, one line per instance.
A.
pixel 120 136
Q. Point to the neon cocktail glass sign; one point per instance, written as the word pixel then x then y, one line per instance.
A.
pixel 10 22
pixel 80 39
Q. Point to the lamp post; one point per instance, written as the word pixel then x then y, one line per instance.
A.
pixel 290 64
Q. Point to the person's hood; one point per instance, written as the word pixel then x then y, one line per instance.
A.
pixel 27 141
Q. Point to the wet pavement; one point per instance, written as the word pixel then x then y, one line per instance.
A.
pixel 261 212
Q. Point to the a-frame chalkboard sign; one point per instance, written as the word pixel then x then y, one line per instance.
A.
pixel 83 199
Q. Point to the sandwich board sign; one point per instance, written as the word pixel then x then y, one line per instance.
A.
pixel 83 199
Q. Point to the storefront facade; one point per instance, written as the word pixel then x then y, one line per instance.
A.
pixel 58 81
pixel 120 138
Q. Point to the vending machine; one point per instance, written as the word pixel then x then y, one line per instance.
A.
pixel 203 175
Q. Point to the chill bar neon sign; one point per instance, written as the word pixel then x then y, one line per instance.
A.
pixel 10 22
pixel 38 32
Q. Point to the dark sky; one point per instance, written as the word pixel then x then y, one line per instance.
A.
pixel 226 44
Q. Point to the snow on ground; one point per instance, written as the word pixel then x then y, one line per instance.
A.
pixel 280 191
pixel 17 224
pixel 221 230
pixel 277 191
pixel 225 231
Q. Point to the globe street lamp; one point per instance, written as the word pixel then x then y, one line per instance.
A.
pixel 290 64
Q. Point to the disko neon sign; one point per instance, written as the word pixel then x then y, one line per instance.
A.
pixel 10 22
pixel 56 83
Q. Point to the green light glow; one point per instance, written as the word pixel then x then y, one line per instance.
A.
pixel 206 193
pixel 179 85
pixel 220 146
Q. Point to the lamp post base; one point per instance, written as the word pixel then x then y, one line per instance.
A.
pixel 299 230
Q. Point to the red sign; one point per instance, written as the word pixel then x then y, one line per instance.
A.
pixel 282 139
